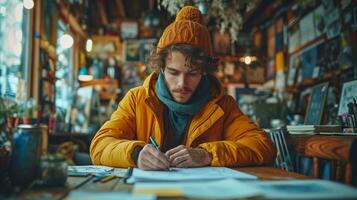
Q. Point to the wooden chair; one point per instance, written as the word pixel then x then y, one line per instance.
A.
pixel 340 151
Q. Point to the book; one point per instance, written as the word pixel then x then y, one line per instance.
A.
pixel 313 129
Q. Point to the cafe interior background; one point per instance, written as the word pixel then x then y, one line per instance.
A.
pixel 66 64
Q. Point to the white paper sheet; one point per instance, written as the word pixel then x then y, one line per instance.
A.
pixel 84 170
pixel 189 174
pixel 221 189
pixel 304 189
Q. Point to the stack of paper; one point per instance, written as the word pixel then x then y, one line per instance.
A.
pixel 85 170
pixel 313 129
pixel 188 174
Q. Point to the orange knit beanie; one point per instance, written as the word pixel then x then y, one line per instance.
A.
pixel 188 28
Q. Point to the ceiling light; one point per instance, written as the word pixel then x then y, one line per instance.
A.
pixel 28 4
pixel 89 45
pixel 66 41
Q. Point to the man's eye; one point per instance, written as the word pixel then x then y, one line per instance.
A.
pixel 194 73
pixel 173 73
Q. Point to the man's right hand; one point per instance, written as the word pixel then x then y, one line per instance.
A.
pixel 152 159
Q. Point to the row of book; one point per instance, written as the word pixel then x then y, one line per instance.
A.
pixel 319 129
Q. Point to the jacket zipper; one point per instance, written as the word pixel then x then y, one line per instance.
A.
pixel 203 121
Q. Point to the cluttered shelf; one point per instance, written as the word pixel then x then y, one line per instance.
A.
pixel 314 81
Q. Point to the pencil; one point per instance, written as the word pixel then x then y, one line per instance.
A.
pixel 106 179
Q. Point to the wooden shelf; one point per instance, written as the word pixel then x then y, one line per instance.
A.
pixel 100 82
pixel 310 82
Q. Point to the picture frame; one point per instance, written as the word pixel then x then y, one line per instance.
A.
pixel 349 91
pixel 316 104
pixel 294 67
pixel 129 29
pixel 221 43
pixel 132 50
pixel 145 48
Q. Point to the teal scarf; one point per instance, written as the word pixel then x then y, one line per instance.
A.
pixel 179 114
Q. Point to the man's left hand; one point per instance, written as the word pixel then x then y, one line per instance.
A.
pixel 183 156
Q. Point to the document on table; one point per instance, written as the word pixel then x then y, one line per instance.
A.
pixel 188 174
pixel 219 189
pixel 85 170
pixel 304 189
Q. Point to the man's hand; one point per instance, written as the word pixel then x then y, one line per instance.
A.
pixel 151 159
pixel 183 156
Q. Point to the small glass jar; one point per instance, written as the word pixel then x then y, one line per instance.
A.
pixel 53 170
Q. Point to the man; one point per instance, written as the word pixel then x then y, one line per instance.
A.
pixel 183 107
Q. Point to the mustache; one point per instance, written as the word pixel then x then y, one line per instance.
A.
pixel 185 89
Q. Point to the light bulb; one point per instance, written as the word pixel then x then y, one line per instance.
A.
pixel 28 4
pixel 247 60
pixel 85 77
pixel 66 41
pixel 89 45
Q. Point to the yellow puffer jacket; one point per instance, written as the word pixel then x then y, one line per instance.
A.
pixel 219 127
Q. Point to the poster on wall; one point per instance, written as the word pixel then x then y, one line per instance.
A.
pixel 294 66
pixel 331 18
pixel 309 61
pixel 145 47
pixel 270 73
pixel 307 28
pixel 294 38
pixel 349 92
pixel 320 24
pixel 132 50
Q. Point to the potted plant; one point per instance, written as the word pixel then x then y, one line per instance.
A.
pixel 8 109
pixel 28 111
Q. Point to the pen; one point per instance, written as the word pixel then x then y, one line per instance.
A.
pixel 153 142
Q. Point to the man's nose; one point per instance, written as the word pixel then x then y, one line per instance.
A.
pixel 182 80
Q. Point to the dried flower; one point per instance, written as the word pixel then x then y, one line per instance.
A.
pixel 227 13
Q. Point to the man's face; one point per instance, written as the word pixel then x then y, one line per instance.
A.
pixel 181 78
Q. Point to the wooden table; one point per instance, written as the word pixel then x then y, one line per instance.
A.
pixel 263 173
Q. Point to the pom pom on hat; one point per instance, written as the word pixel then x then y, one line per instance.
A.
pixel 188 28
pixel 190 13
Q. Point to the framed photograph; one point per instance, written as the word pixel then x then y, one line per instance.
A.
pixel 316 104
pixel 129 29
pixel 132 50
pixel 294 67
pixel 349 91
pixel 221 43
pixel 145 48
pixel 270 70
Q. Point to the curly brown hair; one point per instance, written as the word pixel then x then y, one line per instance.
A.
pixel 194 55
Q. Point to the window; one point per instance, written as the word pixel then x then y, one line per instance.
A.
pixel 64 75
pixel 12 50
